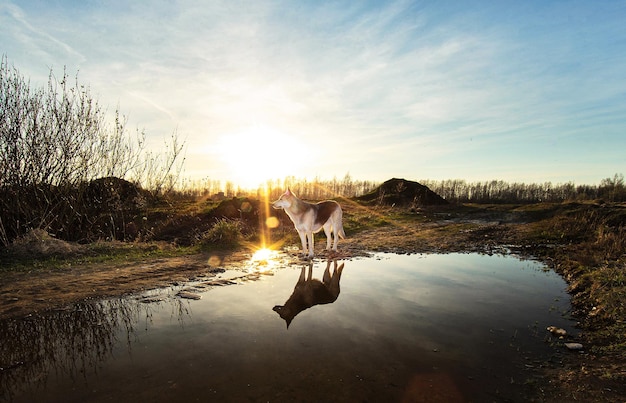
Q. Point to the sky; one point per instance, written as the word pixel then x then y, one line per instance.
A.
pixel 520 91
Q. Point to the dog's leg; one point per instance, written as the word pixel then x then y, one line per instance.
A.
pixel 303 240
pixel 328 232
pixel 302 278
pixel 327 278
pixel 333 228
pixel 311 245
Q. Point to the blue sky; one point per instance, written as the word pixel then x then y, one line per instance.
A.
pixel 530 91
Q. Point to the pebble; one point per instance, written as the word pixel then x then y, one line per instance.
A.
pixel 574 346
pixel 188 295
pixel 219 283
pixel 556 331
pixel 150 300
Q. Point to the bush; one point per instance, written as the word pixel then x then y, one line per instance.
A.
pixel 224 234
pixel 54 142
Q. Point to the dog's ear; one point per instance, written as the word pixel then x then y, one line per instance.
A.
pixel 288 192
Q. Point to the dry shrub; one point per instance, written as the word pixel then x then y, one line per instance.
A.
pixel 38 243
pixel 225 233
pixel 611 240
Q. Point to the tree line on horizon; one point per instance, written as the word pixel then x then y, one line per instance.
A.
pixel 610 189
pixel 68 169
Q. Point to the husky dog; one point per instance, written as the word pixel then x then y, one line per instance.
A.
pixel 309 292
pixel 309 218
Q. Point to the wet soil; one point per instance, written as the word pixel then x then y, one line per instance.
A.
pixel 25 292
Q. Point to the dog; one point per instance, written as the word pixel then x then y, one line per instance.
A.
pixel 309 292
pixel 309 218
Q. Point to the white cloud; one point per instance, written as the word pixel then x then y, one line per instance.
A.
pixel 420 82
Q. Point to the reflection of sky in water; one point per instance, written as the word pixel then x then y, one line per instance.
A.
pixel 472 320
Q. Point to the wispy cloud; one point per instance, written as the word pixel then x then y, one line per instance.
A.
pixel 31 37
pixel 396 87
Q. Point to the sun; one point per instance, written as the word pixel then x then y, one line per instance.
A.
pixel 260 153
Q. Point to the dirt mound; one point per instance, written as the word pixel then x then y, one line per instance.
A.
pixel 114 193
pixel 401 192
pixel 187 228
pixel 113 209
pixel 243 208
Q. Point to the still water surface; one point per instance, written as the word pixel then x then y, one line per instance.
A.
pixel 455 327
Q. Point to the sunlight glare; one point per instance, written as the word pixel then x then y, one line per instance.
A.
pixel 264 260
pixel 261 153
pixel 263 254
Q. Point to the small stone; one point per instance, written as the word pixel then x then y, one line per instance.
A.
pixel 150 300
pixel 219 283
pixel 556 331
pixel 189 295
pixel 574 346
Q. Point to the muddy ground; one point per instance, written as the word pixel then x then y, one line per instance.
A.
pixel 25 292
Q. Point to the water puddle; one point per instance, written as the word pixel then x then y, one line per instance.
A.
pixel 456 327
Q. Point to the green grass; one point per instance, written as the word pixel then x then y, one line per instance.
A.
pixel 95 253
pixel 224 234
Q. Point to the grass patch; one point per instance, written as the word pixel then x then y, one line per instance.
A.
pixel 224 234
pixel 101 252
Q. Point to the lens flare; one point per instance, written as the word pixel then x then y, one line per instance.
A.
pixel 214 261
pixel 271 222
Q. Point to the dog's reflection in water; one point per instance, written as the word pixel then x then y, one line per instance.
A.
pixel 310 291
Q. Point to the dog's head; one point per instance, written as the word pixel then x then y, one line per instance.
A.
pixel 285 313
pixel 284 201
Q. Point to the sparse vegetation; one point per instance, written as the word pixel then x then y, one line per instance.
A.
pixel 498 191
pixel 223 234
pixel 611 189
pixel 55 143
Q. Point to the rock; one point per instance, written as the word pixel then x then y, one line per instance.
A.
pixel 150 300
pixel 574 346
pixel 188 295
pixel 556 331
pixel 219 283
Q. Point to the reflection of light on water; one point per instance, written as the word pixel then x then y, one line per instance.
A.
pixel 71 352
pixel 263 254
pixel 264 258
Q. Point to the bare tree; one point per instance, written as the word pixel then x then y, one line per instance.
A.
pixel 54 141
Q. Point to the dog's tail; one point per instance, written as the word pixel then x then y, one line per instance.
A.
pixel 341 233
